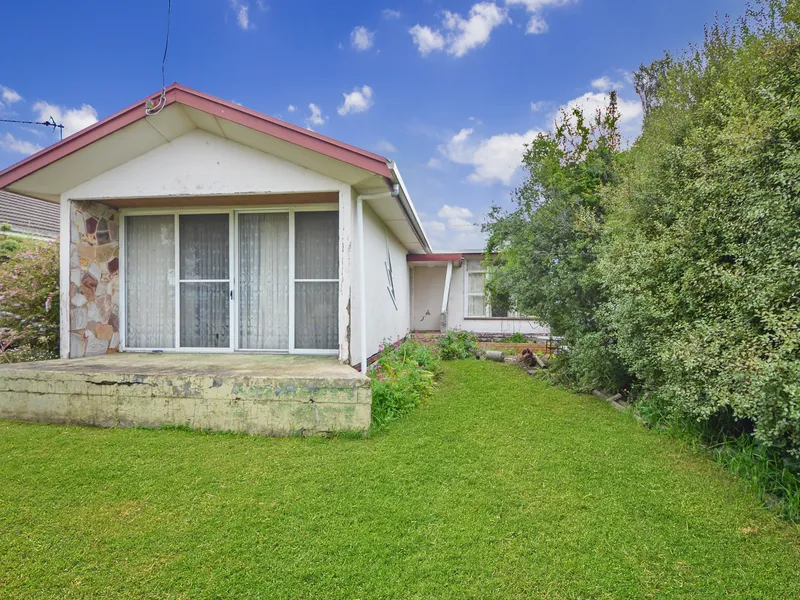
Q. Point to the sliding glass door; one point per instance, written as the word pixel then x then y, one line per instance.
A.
pixel 205 284
pixel 149 271
pixel 263 256
pixel 239 280
pixel 316 291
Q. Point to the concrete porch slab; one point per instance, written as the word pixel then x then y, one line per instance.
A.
pixel 252 393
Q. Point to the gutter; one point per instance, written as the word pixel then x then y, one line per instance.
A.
pixel 408 207
pixel 362 278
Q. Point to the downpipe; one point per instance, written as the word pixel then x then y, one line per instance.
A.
pixel 362 278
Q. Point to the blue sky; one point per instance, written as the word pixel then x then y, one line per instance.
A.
pixel 449 89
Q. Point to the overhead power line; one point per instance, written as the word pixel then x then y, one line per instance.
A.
pixel 152 108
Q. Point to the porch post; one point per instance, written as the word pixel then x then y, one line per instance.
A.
pixel 65 226
pixel 446 296
pixel 345 271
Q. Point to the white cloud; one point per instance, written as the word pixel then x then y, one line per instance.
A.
pixel 454 212
pixel 461 34
pixel 242 14
pixel 606 84
pixel 434 227
pixel 361 38
pixel 389 14
pixel 462 224
pixel 494 160
pixel 315 118
pixel 8 95
pixel 426 39
pixel 455 227
pixel 630 111
pixel 12 144
pixel 536 23
pixel 434 163
pixel 359 100
pixel 474 31
pixel 538 106
pixel 291 108
pixel 73 119
pixel 385 146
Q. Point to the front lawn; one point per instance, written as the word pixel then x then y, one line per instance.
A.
pixel 499 487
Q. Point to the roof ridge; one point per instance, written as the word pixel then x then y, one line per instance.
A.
pixel 180 94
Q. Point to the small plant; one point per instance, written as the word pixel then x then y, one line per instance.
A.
pixel 515 338
pixel 402 380
pixel 457 345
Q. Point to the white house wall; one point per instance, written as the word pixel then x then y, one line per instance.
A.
pixel 200 163
pixel 456 314
pixel 384 321
pixel 428 290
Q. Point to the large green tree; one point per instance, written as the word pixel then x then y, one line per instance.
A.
pixel 546 246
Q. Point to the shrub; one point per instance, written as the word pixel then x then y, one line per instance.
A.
pixel 11 244
pixel 457 344
pixel 29 304
pixel 402 380
pixel 702 245
pixel 515 338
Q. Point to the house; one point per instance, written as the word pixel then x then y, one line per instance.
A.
pixel 205 228
pixel 448 291
pixel 28 217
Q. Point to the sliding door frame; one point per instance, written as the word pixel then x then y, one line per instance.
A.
pixel 233 272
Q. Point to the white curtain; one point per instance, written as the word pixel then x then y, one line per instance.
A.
pixel 476 289
pixel 205 305
pixel 150 281
pixel 264 281
pixel 316 300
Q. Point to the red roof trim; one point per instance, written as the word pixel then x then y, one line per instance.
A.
pixel 432 257
pixel 177 93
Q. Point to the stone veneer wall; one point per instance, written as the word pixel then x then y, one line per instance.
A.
pixel 93 279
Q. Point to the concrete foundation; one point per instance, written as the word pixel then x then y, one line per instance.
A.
pixel 256 394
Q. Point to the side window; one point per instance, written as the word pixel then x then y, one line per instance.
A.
pixel 479 303
pixel 476 289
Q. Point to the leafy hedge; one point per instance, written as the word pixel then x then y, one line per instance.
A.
pixel 702 256
pixel 673 268
pixel 28 300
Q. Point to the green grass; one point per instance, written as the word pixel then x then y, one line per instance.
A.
pixel 500 487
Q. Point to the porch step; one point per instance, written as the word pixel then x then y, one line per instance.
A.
pixel 256 394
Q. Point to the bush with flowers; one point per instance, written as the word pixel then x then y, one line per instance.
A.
pixel 29 302
pixel 402 379
pixel 457 344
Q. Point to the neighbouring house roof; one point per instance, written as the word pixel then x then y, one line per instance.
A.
pixel 435 257
pixel 29 216
pixel 445 256
pixel 100 148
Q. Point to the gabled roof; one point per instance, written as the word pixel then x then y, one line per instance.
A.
pixel 131 133
pixel 229 111
pixel 30 216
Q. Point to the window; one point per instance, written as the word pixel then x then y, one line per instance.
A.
pixel 476 290
pixel 479 303
pixel 261 280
